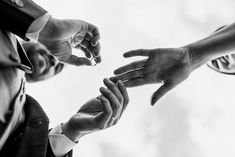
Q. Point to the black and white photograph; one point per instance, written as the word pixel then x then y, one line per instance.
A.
pixel 117 78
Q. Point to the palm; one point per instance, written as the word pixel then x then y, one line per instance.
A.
pixel 86 115
pixel 169 66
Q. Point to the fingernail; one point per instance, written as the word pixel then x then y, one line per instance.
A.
pixel 102 89
pixel 153 102
pixel 105 80
pixel 110 81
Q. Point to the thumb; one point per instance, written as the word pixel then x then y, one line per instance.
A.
pixel 166 87
pixel 77 61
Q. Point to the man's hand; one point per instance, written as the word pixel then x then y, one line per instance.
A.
pixel 98 113
pixel 169 66
pixel 59 36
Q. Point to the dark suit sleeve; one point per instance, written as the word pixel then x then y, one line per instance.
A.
pixel 16 19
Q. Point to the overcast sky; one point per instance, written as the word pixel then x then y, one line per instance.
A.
pixel 196 119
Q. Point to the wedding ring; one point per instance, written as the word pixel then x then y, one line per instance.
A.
pixel 93 61
pixel 114 118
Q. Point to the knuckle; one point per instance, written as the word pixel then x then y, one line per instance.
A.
pixel 121 99
pixel 109 112
pixel 116 107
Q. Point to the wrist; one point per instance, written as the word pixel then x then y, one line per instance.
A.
pixel 48 31
pixel 195 60
pixel 71 132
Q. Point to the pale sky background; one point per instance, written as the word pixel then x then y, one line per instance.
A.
pixel 196 119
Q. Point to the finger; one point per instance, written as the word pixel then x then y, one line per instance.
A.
pixel 93 50
pixel 103 119
pixel 88 36
pixel 136 82
pixel 221 65
pixel 112 121
pixel 140 52
pixel 95 40
pixel 85 43
pixel 131 66
pixel 166 87
pixel 224 60
pixel 112 87
pixel 123 90
pixel 129 75
pixel 77 61
pixel 215 64
pixel 226 57
pixel 77 39
pixel 96 50
pixel 98 59
pixel 86 52
pixel 96 34
pixel 112 99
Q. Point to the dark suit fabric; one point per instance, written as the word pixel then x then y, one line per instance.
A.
pixel 16 19
pixel 31 138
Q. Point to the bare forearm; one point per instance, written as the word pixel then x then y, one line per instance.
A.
pixel 216 45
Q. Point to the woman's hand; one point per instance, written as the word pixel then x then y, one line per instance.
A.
pixel 169 66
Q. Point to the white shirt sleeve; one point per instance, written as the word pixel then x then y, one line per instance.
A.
pixel 37 26
pixel 60 144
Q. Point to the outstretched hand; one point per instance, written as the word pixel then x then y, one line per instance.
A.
pixel 99 113
pixel 169 66
pixel 60 36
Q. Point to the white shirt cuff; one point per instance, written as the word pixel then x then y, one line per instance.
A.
pixel 37 26
pixel 60 144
